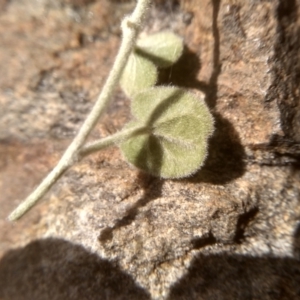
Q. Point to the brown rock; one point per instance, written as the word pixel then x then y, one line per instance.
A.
pixel 107 230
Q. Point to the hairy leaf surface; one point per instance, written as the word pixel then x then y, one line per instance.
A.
pixel 140 73
pixel 163 48
pixel 179 125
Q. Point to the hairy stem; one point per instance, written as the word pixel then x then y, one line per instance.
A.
pixel 111 140
pixel 130 27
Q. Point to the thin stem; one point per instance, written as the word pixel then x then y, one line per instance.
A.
pixel 130 27
pixel 111 140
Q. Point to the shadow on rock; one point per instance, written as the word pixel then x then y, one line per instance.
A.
pixel 184 73
pixel 297 243
pixel 152 187
pixel 225 161
pixel 56 269
pixel 239 277
pixel 223 276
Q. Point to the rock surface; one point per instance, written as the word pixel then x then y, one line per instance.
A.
pixel 107 231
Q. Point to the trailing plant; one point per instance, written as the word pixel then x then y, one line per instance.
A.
pixel 168 134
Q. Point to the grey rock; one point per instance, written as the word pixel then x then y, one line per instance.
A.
pixel 109 231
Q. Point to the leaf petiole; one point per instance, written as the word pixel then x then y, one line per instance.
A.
pixel 116 138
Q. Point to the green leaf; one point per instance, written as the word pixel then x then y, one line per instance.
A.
pixel 139 74
pixel 179 125
pixel 163 48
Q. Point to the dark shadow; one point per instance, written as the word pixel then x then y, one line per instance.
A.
pixel 225 160
pixel 211 96
pixel 239 277
pixel 243 223
pixel 57 269
pixel 296 244
pixel 184 73
pixel 152 190
pixel 286 152
pixel 204 241
pixel 286 67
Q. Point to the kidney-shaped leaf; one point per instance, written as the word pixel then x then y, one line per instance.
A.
pixel 163 48
pixel 139 74
pixel 179 125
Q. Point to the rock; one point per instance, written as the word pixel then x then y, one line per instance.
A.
pixel 71 271
pixel 107 230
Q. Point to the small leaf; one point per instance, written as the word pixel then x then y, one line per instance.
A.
pixel 139 74
pixel 163 48
pixel 179 127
